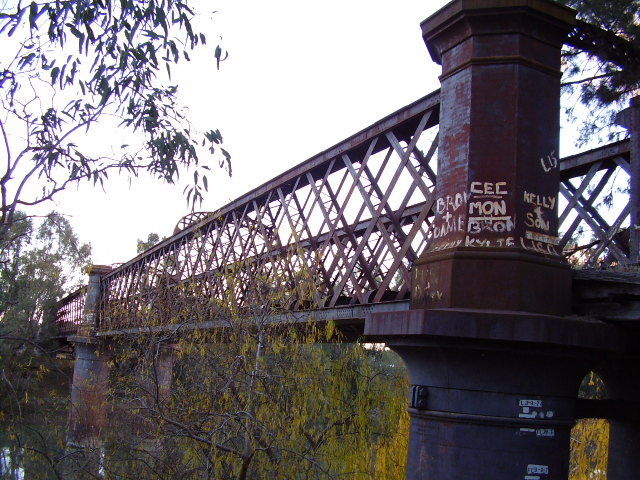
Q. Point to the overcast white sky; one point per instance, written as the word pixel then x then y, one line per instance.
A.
pixel 300 77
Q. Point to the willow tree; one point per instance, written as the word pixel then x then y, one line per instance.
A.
pixel 277 405
pixel 254 393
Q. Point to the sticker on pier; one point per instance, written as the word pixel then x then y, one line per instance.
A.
pixel 540 237
pixel 539 432
pixel 533 409
pixel 536 472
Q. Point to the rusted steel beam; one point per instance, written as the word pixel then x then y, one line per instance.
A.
pixel 353 213
pixel 341 217
pixel 577 165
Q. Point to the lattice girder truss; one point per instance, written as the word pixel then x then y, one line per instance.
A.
pixel 595 216
pixel 342 228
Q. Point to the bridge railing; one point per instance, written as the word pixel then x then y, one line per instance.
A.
pixel 344 228
pixel 69 314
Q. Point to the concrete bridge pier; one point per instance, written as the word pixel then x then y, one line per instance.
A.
pixel 161 380
pixel 494 360
pixel 87 416
pixel 143 432
pixel 156 382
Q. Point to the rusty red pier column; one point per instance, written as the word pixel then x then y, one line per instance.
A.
pixel 494 361
pixel 495 226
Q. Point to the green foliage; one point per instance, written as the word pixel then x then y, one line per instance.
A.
pixel 35 270
pixel 151 240
pixel 36 264
pixel 269 402
pixel 65 67
pixel 606 69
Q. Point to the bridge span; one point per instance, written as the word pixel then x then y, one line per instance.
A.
pixel 446 230
pixel 342 230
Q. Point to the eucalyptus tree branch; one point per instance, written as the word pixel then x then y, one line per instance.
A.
pixel 587 79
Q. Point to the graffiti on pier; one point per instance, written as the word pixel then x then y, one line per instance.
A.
pixel 549 162
pixel 451 210
pixel 488 214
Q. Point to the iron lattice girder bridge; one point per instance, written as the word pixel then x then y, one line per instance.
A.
pixel 341 229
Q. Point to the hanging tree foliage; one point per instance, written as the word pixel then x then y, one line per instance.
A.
pixel 232 387
pixel 262 402
pixel 68 65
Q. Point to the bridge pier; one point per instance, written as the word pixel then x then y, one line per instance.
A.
pixel 154 381
pixel 87 416
pixel 152 440
pixel 89 388
pixel 137 439
pixel 494 362
pixel 163 362
pixel 492 393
